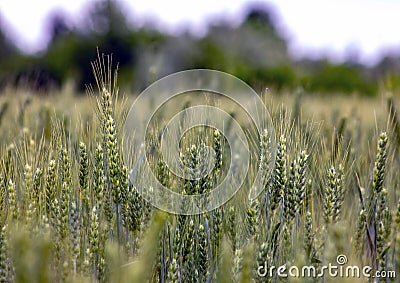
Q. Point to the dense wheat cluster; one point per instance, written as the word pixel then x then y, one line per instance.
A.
pixel 70 211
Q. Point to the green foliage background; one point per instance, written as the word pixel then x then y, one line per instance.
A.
pixel 255 51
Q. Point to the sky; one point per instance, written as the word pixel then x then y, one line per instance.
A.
pixel 314 27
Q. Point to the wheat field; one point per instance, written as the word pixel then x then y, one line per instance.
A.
pixel 71 211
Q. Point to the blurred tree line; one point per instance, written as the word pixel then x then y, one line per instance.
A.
pixel 253 51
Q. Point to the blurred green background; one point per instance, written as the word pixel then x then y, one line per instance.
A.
pixel 254 51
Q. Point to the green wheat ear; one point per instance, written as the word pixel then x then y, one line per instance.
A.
pixel 28 177
pixel 359 236
pixel 329 195
pixel 309 235
pixel 252 218
pixel 13 205
pixel 339 194
pixel 218 150
pixel 29 202
pixel 380 164
pixel 300 180
pixel 216 231
pixel 290 195
pixel 4 256
pixel 113 159
pixel 94 240
pixel 232 228
pixel 65 167
pixel 202 263
pixel 174 270
pixel 98 184
pixel 36 191
pixel 380 246
pixel 262 256
pixel 237 264
pixel 84 175
pixel 64 210
pixel 74 234
pixel 50 186
pixel 280 177
pixel 265 153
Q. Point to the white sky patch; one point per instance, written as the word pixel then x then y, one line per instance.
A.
pixel 27 19
pixel 313 26
pixel 336 26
